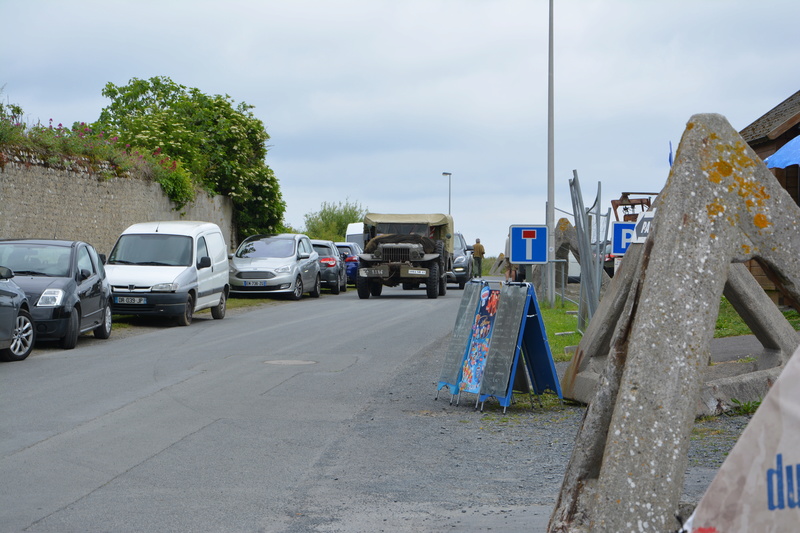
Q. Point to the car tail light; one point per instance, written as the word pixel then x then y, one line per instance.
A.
pixel 328 261
pixel 351 259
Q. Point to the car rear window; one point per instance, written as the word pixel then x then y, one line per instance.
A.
pixel 324 251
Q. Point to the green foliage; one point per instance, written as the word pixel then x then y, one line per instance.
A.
pixel 561 325
pixel 221 146
pixel 330 222
pixel 745 408
pixel 81 146
pixel 730 324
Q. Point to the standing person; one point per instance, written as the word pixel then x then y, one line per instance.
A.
pixel 510 270
pixel 478 251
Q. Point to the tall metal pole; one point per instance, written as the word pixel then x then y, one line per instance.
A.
pixel 551 214
pixel 449 188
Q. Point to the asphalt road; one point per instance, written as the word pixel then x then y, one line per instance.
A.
pixel 310 416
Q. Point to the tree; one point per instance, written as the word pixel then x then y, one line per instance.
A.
pixel 330 222
pixel 221 145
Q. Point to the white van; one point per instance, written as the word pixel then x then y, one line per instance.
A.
pixel 171 268
pixel 355 233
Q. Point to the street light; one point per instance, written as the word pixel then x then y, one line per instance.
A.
pixel 449 189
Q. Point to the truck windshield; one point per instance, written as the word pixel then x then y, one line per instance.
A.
pixel 152 249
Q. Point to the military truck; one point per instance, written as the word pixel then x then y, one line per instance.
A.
pixel 407 250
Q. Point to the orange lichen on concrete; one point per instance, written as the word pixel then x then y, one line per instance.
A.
pixel 746 249
pixel 715 208
pixel 761 221
pixel 563 224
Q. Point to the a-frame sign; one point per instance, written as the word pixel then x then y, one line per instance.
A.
pixel 517 339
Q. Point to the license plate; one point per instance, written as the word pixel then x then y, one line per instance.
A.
pixel 417 272
pixel 255 283
pixel 130 300
pixel 367 272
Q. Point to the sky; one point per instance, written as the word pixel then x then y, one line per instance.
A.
pixel 371 101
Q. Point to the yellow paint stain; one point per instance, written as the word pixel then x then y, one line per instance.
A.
pixel 761 221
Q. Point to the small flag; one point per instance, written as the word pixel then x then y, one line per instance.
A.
pixel 670 153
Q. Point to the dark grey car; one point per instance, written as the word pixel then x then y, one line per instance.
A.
pixel 17 333
pixel 332 268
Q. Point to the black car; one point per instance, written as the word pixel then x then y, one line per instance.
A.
pixel 17 333
pixel 462 262
pixel 66 284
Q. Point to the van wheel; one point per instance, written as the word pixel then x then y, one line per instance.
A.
pixel 188 312
pixel 103 331
pixel 343 287
pixel 218 312
pixel 69 340
pixel 298 289
pixel 317 290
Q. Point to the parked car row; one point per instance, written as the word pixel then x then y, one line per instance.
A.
pixel 58 290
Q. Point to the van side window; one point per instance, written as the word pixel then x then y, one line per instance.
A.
pixel 202 249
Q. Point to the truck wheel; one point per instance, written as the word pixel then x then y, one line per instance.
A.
pixel 432 285
pixel 362 287
pixel 376 289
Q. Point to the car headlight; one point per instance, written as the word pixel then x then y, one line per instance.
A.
pixel 460 259
pixel 283 270
pixel 164 287
pixel 50 298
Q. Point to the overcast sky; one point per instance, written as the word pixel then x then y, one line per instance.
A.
pixel 371 101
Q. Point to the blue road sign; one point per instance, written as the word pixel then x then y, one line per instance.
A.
pixel 622 235
pixel 528 244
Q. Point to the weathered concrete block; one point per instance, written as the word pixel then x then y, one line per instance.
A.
pixel 720 205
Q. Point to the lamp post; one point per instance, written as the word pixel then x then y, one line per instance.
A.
pixel 449 188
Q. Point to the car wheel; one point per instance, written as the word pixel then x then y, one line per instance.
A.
pixel 432 285
pixel 443 285
pixel 298 289
pixel 362 286
pixel 461 284
pixel 336 288
pixel 317 290
pixel 24 338
pixel 103 331
pixel 343 288
pixel 188 312
pixel 69 340
pixel 218 312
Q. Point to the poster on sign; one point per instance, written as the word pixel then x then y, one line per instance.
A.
pixel 475 362
pixel 757 488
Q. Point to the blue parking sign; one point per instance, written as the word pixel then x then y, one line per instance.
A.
pixel 622 235
pixel 528 244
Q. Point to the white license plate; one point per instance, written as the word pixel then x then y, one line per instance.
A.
pixel 417 272
pixel 130 300
pixel 255 283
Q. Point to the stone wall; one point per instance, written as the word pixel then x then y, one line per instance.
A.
pixel 37 201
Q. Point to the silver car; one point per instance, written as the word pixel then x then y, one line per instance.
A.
pixel 284 264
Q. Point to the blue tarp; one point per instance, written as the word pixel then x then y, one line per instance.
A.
pixel 787 155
